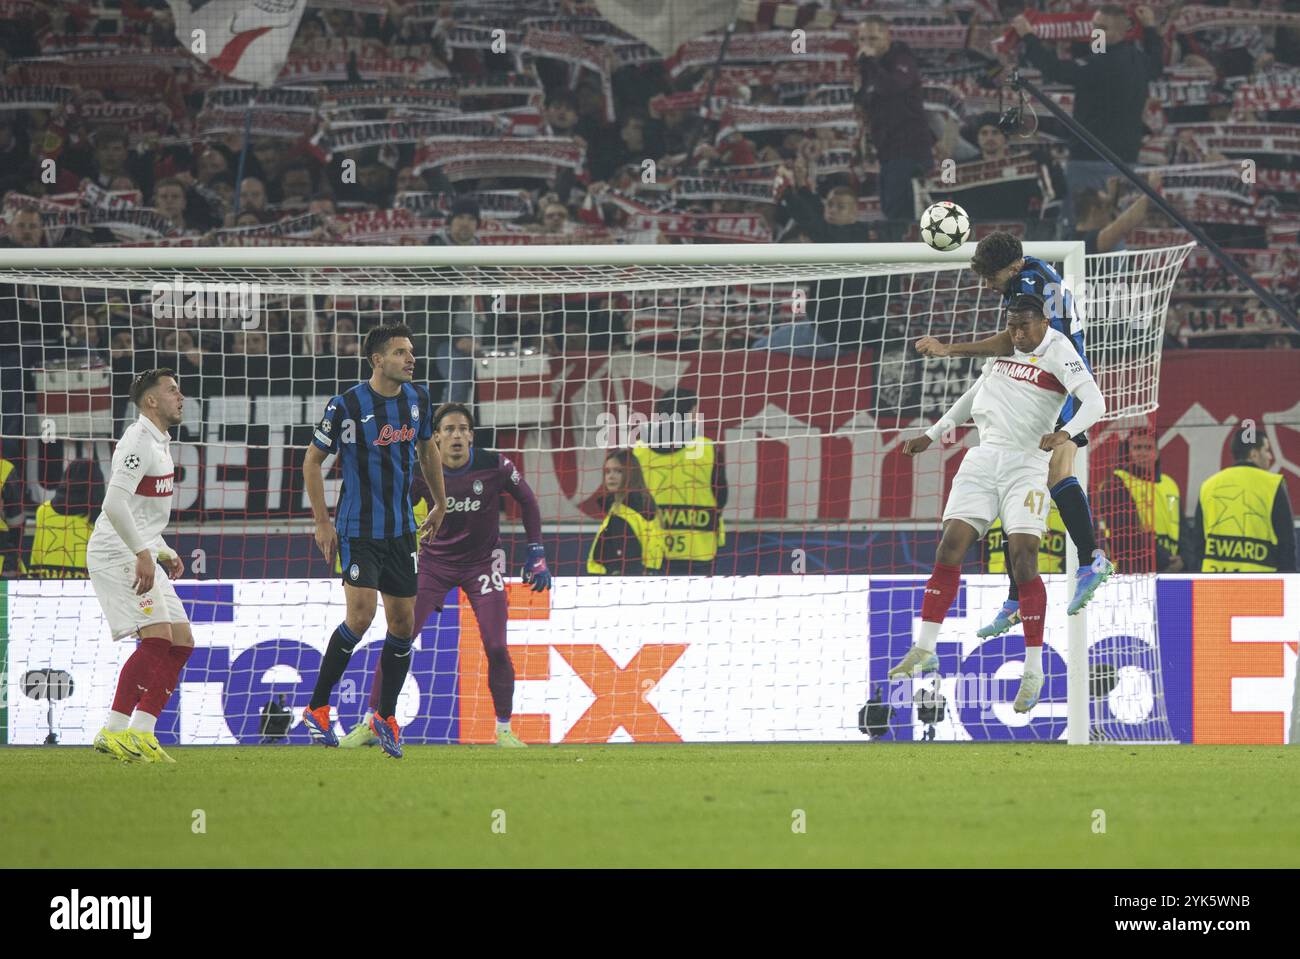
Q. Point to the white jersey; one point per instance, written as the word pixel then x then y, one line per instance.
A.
pixel 1017 398
pixel 142 465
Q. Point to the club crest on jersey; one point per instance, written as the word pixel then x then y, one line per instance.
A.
pixel 354 571
pixel 388 435
pixel 478 487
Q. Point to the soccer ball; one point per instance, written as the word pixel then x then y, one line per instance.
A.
pixel 945 226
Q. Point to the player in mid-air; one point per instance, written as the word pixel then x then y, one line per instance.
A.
pixel 381 430
pixel 1014 403
pixel 122 557
pixel 466 553
pixel 1001 262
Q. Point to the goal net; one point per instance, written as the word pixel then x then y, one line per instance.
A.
pixel 764 393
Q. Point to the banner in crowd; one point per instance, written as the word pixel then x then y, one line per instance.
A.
pixel 308 69
pixel 343 137
pixel 36 97
pixel 525 155
pixel 578 52
pixel 246 41
pixel 692 189
pixel 764 48
pixel 745 119
pixel 724 227
pixel 1197 18
pixel 614 659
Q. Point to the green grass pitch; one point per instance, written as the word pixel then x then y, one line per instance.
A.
pixel 878 805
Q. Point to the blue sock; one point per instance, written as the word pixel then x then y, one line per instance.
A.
pixel 1072 503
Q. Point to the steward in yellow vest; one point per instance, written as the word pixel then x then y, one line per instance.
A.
pixel 1244 522
pixel 685 476
pixel 64 524
pixel 12 516
pixel 1139 502
pixel 1051 549
pixel 629 541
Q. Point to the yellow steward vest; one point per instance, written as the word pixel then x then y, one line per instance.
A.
pixel 647 533
pixel 1237 510
pixel 59 549
pixel 1157 505
pixel 681 484
pixel 1051 549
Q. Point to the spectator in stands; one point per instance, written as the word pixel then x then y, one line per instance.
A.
pixel 629 541
pixel 170 200
pixel 182 352
pixel 1098 225
pixel 211 163
pixel 992 141
pixel 25 230
pixel 636 139
pixel 1244 522
pixel 83 340
pixel 453 364
pixel 561 114
pixel 462 226
pixel 1110 91
pixel 1139 501
pixel 252 197
pixel 112 158
pixel 297 185
pixel 15 157
pixel 322 204
pixel 837 309
pixel 555 220
pixel 889 91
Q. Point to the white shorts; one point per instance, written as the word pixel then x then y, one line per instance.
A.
pixel 994 482
pixel 128 613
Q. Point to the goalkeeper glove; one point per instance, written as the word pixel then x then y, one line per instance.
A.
pixel 535 570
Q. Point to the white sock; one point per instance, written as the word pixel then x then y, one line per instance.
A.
pixel 143 722
pixel 503 727
pixel 929 638
pixel 1034 659
pixel 117 722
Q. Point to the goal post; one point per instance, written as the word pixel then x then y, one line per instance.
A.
pixel 800 578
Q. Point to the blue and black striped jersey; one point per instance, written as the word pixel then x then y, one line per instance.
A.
pixel 1041 279
pixel 375 437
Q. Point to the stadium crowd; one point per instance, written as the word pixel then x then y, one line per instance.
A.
pixel 110 133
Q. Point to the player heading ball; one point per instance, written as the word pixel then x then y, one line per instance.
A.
pixel 1014 404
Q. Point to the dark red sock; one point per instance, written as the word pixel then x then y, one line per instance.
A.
pixel 164 683
pixel 940 591
pixel 1033 606
pixel 138 672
